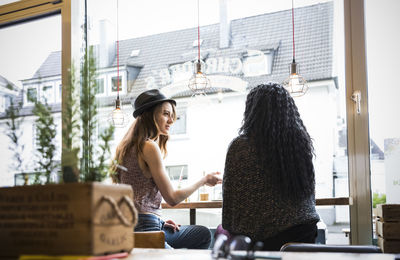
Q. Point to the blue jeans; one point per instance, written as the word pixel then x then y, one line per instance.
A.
pixel 191 237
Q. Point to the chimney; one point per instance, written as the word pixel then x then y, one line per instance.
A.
pixel 107 44
pixel 224 25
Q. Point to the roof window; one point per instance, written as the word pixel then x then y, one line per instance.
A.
pixel 135 53
pixel 195 43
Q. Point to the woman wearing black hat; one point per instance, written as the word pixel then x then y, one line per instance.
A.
pixel 141 152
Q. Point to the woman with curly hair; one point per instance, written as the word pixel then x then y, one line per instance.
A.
pixel 268 184
pixel 140 164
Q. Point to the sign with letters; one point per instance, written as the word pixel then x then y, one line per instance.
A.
pixel 249 64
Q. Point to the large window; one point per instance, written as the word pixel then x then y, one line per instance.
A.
pixel 241 49
pixel 23 49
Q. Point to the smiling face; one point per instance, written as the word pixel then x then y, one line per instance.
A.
pixel 164 117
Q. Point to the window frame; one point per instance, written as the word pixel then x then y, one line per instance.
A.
pixel 268 62
pixel 355 79
pixel 104 78
pixel 179 112
pixel 357 124
pixel 58 91
pixel 109 84
pixel 43 93
pixel 2 103
pixel 27 102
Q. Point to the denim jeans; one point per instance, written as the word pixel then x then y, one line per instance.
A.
pixel 191 237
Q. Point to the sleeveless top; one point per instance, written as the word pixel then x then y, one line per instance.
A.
pixel 146 195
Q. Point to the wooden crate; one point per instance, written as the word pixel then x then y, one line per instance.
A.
pixel 388 227
pixel 388 230
pixel 388 212
pixel 66 219
pixel 389 246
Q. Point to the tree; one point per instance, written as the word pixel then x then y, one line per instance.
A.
pixel 71 130
pixel 45 138
pixel 93 166
pixel 14 132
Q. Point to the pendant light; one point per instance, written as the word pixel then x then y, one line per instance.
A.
pixel 295 84
pixel 199 83
pixel 118 117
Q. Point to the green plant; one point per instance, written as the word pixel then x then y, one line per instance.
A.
pixel 93 161
pixel 45 138
pixel 88 108
pixel 71 129
pixel 103 167
pixel 378 199
pixel 14 132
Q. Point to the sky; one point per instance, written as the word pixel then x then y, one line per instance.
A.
pixel 139 18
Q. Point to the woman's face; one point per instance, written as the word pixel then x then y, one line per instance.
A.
pixel 164 117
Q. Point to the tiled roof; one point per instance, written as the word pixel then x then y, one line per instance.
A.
pixel 5 83
pixel 50 67
pixel 313 37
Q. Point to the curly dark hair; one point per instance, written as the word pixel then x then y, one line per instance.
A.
pixel 283 146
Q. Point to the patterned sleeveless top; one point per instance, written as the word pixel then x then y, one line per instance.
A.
pixel 146 195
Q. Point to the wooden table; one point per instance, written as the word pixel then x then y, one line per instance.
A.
pixel 218 204
pixel 182 254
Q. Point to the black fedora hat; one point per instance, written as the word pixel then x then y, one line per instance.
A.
pixel 149 99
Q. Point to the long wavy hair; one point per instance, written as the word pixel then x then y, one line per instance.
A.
pixel 282 144
pixel 143 128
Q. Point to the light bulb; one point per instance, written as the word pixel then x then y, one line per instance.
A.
pixel 294 82
pixel 296 85
pixel 199 83
pixel 118 117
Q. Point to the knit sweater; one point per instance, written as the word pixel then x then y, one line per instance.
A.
pixel 251 202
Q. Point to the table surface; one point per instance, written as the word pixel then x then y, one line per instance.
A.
pixel 182 254
pixel 218 203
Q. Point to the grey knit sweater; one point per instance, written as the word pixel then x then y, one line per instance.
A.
pixel 251 203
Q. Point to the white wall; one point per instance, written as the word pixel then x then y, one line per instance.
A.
pixel 211 126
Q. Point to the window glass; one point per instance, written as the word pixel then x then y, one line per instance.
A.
pixel 244 44
pixel 381 20
pixel 31 95
pixel 100 86
pixel 114 84
pixel 2 104
pixel 59 95
pixel 30 63
pixel 257 63
pixel 47 93
pixel 178 174
pixel 179 127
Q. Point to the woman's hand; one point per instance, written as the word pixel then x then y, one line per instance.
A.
pixel 172 225
pixel 212 179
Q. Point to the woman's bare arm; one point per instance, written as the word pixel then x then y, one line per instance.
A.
pixel 153 158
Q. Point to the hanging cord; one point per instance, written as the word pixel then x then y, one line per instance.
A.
pixel 198 28
pixel 117 53
pixel 293 32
